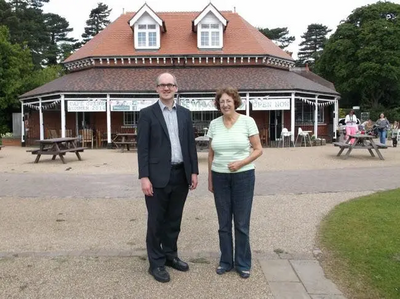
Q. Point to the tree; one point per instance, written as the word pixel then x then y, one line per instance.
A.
pixel 312 45
pixel 278 35
pixel 15 68
pixel 362 57
pixel 57 30
pixel 98 20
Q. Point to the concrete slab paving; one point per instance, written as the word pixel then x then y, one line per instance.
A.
pixel 278 271
pixel 312 276
pixel 288 290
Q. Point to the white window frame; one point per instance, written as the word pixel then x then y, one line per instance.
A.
pixel 210 28
pixel 147 29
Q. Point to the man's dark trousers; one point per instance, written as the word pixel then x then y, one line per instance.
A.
pixel 165 210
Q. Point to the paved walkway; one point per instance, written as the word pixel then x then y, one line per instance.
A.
pixel 38 266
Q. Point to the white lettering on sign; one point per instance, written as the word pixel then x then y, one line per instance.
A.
pixel 270 104
pixel 131 105
pixel 83 106
pixel 203 104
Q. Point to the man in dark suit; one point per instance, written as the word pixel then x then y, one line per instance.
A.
pixel 168 168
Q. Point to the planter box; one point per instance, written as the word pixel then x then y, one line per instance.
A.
pixel 7 141
pixel 316 142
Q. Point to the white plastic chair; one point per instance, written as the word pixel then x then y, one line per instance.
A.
pixel 285 133
pixel 304 137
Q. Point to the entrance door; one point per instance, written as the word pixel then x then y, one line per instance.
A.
pixel 275 124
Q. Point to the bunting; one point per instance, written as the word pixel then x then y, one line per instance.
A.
pixel 320 104
pixel 44 107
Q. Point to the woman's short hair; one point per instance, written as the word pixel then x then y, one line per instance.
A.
pixel 230 91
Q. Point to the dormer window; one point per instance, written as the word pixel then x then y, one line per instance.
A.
pixel 147 36
pixel 147 27
pixel 210 25
pixel 210 36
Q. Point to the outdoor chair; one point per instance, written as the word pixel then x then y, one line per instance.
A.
pixel 52 134
pixel 86 137
pixel 304 137
pixel 68 133
pixel 284 134
pixel 101 139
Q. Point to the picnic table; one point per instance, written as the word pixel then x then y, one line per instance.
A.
pixel 122 140
pixel 202 142
pixel 57 147
pixel 361 141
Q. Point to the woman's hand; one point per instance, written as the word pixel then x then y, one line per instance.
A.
pixel 210 185
pixel 234 166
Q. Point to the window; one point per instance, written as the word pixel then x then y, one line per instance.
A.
pixel 304 113
pixel 210 36
pixel 147 36
pixel 131 118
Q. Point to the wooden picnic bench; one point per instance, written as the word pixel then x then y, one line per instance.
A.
pixel 122 140
pixel 361 141
pixel 57 147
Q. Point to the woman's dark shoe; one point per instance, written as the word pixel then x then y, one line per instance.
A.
pixel 243 273
pixel 221 270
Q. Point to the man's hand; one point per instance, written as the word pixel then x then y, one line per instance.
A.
pixel 147 187
pixel 194 182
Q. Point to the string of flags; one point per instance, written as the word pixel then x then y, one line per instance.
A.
pixel 324 103
pixel 44 107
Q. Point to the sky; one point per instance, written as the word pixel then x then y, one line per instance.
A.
pixel 294 14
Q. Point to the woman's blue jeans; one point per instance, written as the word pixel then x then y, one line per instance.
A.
pixel 382 136
pixel 233 194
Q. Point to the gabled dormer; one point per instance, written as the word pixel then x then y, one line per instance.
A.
pixel 210 25
pixel 147 27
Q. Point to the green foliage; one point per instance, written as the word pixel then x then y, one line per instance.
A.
pixel 15 68
pixel 362 238
pixel 98 20
pixel 362 57
pixel 313 43
pixel 278 35
pixel 57 29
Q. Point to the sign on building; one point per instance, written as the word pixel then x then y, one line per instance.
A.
pixel 270 104
pixel 87 106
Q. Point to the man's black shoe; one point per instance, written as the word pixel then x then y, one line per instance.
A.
pixel 160 274
pixel 177 264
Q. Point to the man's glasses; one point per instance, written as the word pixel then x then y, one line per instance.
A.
pixel 169 85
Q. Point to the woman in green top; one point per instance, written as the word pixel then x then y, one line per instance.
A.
pixel 234 145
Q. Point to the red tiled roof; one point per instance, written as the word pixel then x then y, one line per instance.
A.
pixel 200 79
pixel 240 38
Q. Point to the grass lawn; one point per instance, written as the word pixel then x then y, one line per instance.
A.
pixel 360 241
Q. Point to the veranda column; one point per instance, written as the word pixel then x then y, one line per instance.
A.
pixel 336 119
pixel 292 123
pixel 63 116
pixel 109 145
pixel 247 104
pixel 41 123
pixel 316 117
pixel 22 125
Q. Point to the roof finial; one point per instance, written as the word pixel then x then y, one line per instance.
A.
pixel 234 9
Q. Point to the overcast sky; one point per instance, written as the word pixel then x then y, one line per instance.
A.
pixel 294 14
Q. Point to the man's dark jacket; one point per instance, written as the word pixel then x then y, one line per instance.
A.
pixel 154 146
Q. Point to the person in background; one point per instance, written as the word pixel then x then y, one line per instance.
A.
pixel 351 125
pixel 234 145
pixel 367 125
pixel 168 168
pixel 382 125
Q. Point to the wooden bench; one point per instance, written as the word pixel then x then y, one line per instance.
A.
pixel 125 143
pixel 369 146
